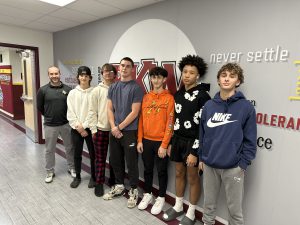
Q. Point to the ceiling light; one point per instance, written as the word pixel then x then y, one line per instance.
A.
pixel 58 2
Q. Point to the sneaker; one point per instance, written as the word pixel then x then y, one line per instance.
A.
pixel 115 191
pixel 92 183
pixel 99 190
pixel 158 205
pixel 72 172
pixel 75 183
pixel 49 177
pixel 147 199
pixel 133 198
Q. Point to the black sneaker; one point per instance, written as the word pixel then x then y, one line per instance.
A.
pixel 92 183
pixel 75 183
pixel 99 190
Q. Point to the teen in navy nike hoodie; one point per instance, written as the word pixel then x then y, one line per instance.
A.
pixel 234 120
pixel 227 145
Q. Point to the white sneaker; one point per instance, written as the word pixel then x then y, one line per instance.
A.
pixel 133 198
pixel 158 205
pixel 49 177
pixel 115 191
pixel 72 172
pixel 147 199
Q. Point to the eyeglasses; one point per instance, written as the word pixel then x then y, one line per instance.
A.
pixel 110 71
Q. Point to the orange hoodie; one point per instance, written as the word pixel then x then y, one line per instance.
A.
pixel 157 117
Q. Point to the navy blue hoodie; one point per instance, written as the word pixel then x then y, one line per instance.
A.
pixel 228 132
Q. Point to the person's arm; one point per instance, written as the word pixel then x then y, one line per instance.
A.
pixel 169 125
pixel 40 101
pixel 93 111
pixel 71 115
pixel 249 142
pixel 163 149
pixel 140 133
pixel 202 100
pixel 115 131
pixel 135 110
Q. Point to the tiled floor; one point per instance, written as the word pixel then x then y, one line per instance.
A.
pixel 26 199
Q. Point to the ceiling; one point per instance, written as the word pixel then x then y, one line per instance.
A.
pixel 38 15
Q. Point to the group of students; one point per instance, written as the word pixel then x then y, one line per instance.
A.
pixel 199 134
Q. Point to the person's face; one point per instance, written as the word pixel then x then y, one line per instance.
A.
pixel 190 75
pixel 84 79
pixel 54 75
pixel 228 81
pixel 125 69
pixel 157 81
pixel 108 75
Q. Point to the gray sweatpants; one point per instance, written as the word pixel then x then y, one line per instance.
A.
pixel 233 180
pixel 51 135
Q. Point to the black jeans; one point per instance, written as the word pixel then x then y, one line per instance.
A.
pixel 78 140
pixel 121 149
pixel 150 156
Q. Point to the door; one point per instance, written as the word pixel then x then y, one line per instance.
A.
pixel 29 94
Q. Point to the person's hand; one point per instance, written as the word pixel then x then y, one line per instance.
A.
pixel 201 166
pixel 139 147
pixel 162 152
pixel 84 133
pixel 191 160
pixel 169 150
pixel 79 128
pixel 116 132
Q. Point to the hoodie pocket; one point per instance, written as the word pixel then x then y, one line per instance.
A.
pixel 220 154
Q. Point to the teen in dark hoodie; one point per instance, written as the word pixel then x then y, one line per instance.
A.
pixel 227 144
pixel 184 146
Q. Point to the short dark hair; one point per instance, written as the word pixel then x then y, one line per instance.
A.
pixel 194 60
pixel 129 60
pixel 109 67
pixel 233 68
pixel 53 67
pixel 84 70
pixel 155 71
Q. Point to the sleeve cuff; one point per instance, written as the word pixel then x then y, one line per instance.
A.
pixel 243 165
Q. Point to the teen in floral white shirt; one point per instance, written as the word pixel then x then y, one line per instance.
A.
pixel 189 100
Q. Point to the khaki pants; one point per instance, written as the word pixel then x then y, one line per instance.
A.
pixel 51 135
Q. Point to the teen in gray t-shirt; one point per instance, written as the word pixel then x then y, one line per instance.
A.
pixel 123 108
pixel 123 94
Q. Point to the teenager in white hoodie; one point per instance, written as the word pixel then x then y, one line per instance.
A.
pixel 78 104
pixel 99 124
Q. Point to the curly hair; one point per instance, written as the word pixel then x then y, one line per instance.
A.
pixel 233 68
pixel 194 60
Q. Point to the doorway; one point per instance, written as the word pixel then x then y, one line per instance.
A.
pixel 30 76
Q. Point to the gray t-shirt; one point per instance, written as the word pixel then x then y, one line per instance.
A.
pixel 123 94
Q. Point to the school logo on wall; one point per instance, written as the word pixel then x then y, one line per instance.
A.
pixel 297 96
pixel 156 43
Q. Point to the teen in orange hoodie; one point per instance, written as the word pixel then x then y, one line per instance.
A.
pixel 154 134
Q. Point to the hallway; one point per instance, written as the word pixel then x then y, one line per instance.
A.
pixel 26 199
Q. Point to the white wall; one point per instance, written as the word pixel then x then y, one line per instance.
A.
pixel 28 37
pixel 5 57
pixel 272 186
pixel 15 62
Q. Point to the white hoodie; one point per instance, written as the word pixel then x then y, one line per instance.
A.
pixel 78 105
pixel 98 109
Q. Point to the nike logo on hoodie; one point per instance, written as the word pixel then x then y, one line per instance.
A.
pixel 219 119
